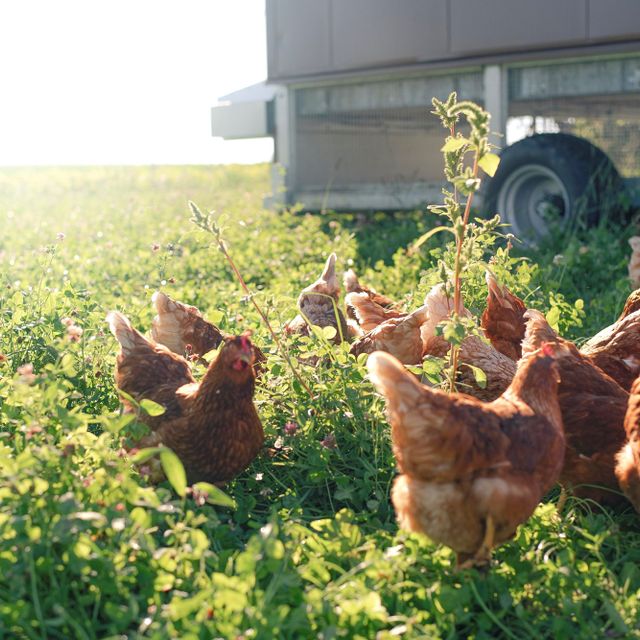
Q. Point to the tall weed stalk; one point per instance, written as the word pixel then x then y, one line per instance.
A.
pixel 464 156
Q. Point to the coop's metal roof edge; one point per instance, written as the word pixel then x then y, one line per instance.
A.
pixel 259 92
pixel 563 54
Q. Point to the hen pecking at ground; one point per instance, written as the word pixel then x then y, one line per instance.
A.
pixel 318 305
pixel 181 327
pixel 615 349
pixel 400 337
pixel 474 351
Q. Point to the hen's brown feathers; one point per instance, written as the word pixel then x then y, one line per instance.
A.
pixel 593 406
pixel 213 425
pixel 631 304
pixel 502 319
pixel 179 326
pixel 397 336
pixel 628 459
pixel 352 285
pixel 616 349
pixel 465 461
pixel 498 368
pixel 368 313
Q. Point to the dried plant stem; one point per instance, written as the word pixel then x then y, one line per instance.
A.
pixel 457 298
pixel 457 280
pixel 207 224
pixel 281 349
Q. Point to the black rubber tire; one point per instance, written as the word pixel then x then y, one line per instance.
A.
pixel 553 180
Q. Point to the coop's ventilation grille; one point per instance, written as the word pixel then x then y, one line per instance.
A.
pixel 378 133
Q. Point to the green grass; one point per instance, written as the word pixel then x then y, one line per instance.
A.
pixel 88 550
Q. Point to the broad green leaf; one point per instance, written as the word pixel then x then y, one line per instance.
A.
pixel 453 332
pixel 431 366
pixel 489 163
pixel 144 454
pixel 174 470
pixel 119 423
pixel 214 495
pixel 130 399
pixel 215 316
pixel 67 365
pixel 479 375
pixel 152 408
pixel 324 333
pixel 453 144
pixel 579 304
pixel 329 332
pixel 553 317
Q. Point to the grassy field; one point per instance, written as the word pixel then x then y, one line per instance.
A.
pixel 311 550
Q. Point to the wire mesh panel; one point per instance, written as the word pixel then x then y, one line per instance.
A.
pixel 596 100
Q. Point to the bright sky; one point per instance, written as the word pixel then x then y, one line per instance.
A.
pixel 125 81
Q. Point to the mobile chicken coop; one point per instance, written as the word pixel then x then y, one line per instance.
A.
pixel 349 90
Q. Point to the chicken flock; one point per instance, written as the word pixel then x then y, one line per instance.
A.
pixel 474 465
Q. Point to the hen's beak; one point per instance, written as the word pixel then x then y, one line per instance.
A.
pixel 246 356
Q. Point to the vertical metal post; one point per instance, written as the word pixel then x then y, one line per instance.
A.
pixel 282 171
pixel 496 102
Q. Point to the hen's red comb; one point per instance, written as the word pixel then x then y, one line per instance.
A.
pixel 245 343
pixel 547 349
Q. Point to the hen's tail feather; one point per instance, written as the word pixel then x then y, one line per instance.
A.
pixel 494 288
pixel 124 332
pixel 329 271
pixel 162 302
pixel 350 281
pixel 166 305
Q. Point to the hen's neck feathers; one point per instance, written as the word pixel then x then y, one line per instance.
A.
pixel 536 384
pixel 224 388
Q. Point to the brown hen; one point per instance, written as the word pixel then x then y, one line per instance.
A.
pixel 182 328
pixel 213 425
pixel 318 304
pixel 593 407
pixel 474 351
pixel 398 336
pixel 628 459
pixel 471 471
pixel 352 285
pixel 368 313
pixel 616 349
pixel 502 320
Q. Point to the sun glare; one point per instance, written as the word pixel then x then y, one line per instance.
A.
pixel 124 82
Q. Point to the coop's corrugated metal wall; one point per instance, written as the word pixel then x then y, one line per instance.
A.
pixel 307 38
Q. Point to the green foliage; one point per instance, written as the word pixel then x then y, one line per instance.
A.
pixel 304 543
